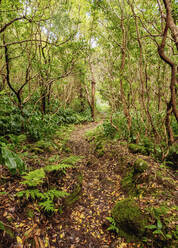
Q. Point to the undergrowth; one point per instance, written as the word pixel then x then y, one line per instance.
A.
pixel 33 123
pixel 37 186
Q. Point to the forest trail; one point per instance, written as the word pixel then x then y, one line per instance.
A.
pixel 78 143
pixel 85 225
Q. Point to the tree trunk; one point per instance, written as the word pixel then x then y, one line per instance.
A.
pixel 93 100
pixel 171 105
pixel 170 21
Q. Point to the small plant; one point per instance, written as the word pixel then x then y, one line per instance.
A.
pixel 6 230
pixel 61 167
pixel 17 139
pixel 34 179
pixel 157 229
pixel 45 199
pixel 72 160
pixel 109 130
pixel 113 225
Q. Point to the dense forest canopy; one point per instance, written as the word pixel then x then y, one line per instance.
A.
pixel 75 61
pixel 64 51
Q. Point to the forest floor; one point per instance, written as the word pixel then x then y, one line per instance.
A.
pixel 100 188
pixel 82 223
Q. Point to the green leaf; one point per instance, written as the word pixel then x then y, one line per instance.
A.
pixel 151 227
pixel 169 236
pixel 2 226
pixel 50 194
pixel 159 224
pixel 3 193
pixel 12 160
pixel 158 232
pixel 110 219
pixel 71 160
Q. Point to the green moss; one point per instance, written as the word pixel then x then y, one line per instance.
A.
pixel 128 182
pixel 74 196
pixel 30 213
pixel 129 219
pixel 99 149
pixel 100 153
pixel 140 165
pixel 134 148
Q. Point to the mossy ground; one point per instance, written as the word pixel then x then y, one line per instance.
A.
pixel 130 220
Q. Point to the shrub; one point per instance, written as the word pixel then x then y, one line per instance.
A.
pixel 109 130
pixel 35 125
pixel 10 118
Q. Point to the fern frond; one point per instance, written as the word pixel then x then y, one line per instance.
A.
pixel 33 193
pixel 57 167
pixel 51 194
pixel 34 178
pixel 71 160
pixel 47 205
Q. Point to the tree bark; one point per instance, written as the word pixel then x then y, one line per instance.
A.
pixel 171 105
pixel 123 57
pixel 170 21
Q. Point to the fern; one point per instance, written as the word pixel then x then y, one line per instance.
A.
pixel 34 178
pixel 57 167
pixel 71 160
pixel 50 194
pixel 47 205
pixel 17 139
pixel 33 193
pixel 113 225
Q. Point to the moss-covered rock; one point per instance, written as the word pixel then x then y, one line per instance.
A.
pixel 130 181
pixel 99 149
pixel 100 153
pixel 127 182
pixel 140 165
pixel 134 148
pixel 74 196
pixel 129 219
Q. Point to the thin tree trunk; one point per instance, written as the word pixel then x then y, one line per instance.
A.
pixel 123 57
pixel 171 105
pixel 93 84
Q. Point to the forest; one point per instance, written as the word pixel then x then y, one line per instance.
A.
pixel 88 123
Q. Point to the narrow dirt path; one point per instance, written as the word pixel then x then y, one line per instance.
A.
pixel 85 225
